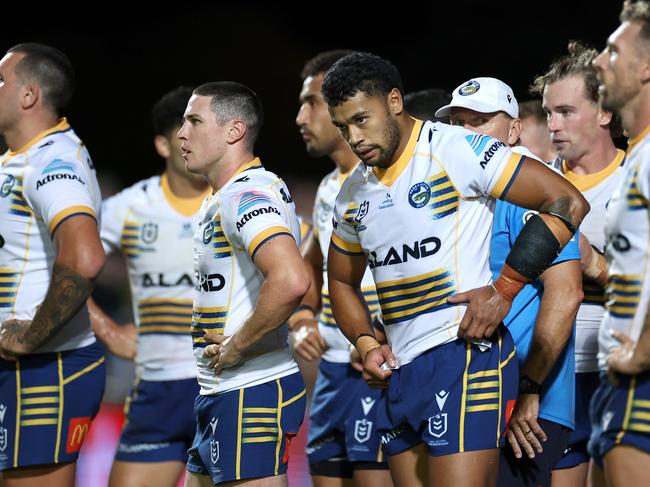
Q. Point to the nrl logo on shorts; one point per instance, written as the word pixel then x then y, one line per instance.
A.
pixel 3 439
pixel 214 451
pixel 3 410
pixel 438 425
pixel 149 232
pixel 362 430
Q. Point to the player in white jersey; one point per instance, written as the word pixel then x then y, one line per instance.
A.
pixel 418 210
pixel 582 133
pixel 250 278
pixel 152 223
pixel 620 408
pixel 343 441
pixel 51 368
pixel 541 320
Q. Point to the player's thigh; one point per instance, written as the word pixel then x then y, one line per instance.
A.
pixel 322 481
pixel 474 468
pixel 372 477
pixel 596 476
pixel 570 477
pixel 275 481
pixel 410 467
pixel 154 474
pixel 197 480
pixel 50 476
pixel 626 466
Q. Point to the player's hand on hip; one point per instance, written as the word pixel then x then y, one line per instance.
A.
pixel 623 359
pixel 222 352
pixel 355 359
pixel 485 310
pixel 11 343
pixel 524 432
pixel 306 340
pixel 377 365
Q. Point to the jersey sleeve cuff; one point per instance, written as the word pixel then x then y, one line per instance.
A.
pixel 264 236
pixel 345 247
pixel 507 176
pixel 69 212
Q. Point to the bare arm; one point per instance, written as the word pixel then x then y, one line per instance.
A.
pixel 286 281
pixel 80 257
pixel 562 207
pixel 553 328
pixel 121 340
pixel 593 264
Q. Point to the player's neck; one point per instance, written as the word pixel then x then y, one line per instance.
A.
pixel 635 116
pixel 406 124
pixel 226 168
pixel 600 155
pixel 185 186
pixel 344 158
pixel 27 129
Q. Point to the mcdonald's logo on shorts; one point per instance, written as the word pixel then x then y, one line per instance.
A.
pixel 77 431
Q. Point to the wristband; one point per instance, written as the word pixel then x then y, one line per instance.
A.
pixel 366 342
pixel 302 312
pixel 594 269
pixel 529 386
pixel 509 283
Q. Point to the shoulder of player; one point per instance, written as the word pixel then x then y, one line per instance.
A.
pixel 56 150
pixel 137 193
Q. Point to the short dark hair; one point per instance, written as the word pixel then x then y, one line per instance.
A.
pixel 532 109
pixel 322 62
pixel 638 11
pixel 232 100
pixel 578 62
pixel 167 113
pixel 424 104
pixel 359 72
pixel 51 69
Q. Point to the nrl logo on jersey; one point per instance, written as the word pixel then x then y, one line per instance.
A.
pixel 149 232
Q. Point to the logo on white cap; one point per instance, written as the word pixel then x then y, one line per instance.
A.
pixel 469 88
pixel 483 95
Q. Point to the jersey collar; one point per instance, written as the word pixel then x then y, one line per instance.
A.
pixel 635 141
pixel 389 175
pixel 585 182
pixel 62 126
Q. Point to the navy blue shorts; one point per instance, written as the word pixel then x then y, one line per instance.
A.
pixel 576 451
pixel 534 472
pixel 47 402
pixel 453 398
pixel 620 415
pixel 343 418
pixel 245 433
pixel 160 423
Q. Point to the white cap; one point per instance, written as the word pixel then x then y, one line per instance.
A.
pixel 483 95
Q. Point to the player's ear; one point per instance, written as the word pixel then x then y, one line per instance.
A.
pixel 395 102
pixel 514 132
pixel 30 93
pixel 162 146
pixel 604 117
pixel 237 130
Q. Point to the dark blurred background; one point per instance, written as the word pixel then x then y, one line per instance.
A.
pixel 126 56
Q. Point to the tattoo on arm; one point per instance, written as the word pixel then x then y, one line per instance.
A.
pixel 67 293
pixel 561 208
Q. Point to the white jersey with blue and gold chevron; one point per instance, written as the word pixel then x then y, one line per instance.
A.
pixel 628 233
pixel 597 189
pixel 154 229
pixel 425 225
pixel 49 180
pixel 338 347
pixel 251 208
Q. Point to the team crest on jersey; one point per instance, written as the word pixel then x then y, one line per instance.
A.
pixel 419 195
pixel 438 425
pixel 208 231
pixel 469 88
pixel 149 232
pixel 7 186
pixel 362 430
pixel 214 451
pixel 3 439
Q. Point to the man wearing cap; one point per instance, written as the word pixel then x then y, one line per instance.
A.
pixel 542 315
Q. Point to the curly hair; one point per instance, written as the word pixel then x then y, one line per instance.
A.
pixel 322 62
pixel 359 72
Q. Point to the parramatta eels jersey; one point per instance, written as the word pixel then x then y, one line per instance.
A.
pixel 154 229
pixel 338 347
pixel 251 208
pixel 424 224
pixel 597 189
pixel 46 182
pixel 628 233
